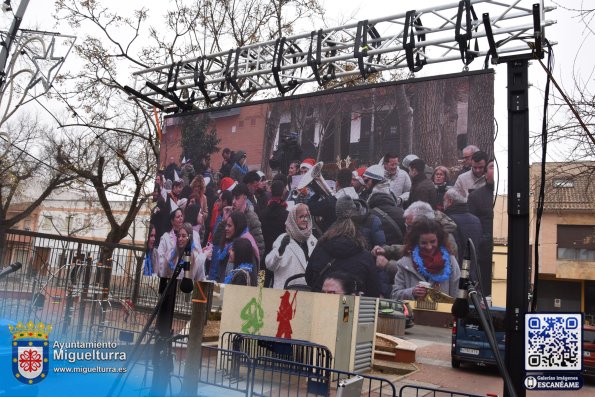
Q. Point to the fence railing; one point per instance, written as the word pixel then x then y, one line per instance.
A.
pixel 86 289
pixel 273 377
pixel 96 291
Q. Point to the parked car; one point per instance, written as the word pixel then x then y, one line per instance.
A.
pixel 399 306
pixel 469 340
pixel 589 350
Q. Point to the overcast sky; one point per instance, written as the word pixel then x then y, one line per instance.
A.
pixel 569 34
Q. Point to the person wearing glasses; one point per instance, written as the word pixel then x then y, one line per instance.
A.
pixel 467 154
pixel 291 250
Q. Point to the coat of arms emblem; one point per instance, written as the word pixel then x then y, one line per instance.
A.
pixel 30 352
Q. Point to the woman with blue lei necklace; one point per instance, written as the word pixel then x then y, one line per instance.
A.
pixel 236 225
pixel 427 261
pixel 243 270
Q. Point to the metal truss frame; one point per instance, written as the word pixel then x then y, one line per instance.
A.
pixel 448 33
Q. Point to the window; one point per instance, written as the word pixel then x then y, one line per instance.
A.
pixel 576 242
pixel 563 182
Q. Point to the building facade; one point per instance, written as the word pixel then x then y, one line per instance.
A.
pixel 566 281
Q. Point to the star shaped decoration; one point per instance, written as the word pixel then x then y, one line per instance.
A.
pixel 47 63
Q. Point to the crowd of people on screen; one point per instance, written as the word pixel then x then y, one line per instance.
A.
pixel 393 229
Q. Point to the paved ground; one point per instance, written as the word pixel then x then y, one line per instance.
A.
pixel 435 371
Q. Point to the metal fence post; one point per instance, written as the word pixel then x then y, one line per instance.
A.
pixel 197 324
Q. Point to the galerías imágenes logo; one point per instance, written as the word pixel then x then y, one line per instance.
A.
pixel 30 351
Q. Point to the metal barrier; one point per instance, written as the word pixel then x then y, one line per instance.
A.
pixel 273 377
pixel 290 350
pixel 310 380
pixel 419 391
pixel 81 287
pixel 227 369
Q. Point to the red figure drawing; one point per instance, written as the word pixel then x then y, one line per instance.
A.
pixel 285 313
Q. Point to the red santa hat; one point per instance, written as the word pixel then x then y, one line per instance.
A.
pixel 308 163
pixel 358 175
pixel 228 183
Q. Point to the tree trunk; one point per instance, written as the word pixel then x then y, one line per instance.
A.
pixel 405 114
pixel 481 113
pixel 429 105
pixel 3 247
pixel 270 132
pixel 448 130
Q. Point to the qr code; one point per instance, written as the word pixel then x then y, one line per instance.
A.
pixel 553 341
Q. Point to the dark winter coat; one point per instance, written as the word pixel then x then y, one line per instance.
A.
pixel 468 226
pixel 273 224
pixel 160 219
pixel 422 189
pixel 387 204
pixel 225 169
pixel 440 190
pixel 170 171
pixel 371 228
pixel 480 204
pixel 349 258
pixel 323 208
pixel 262 199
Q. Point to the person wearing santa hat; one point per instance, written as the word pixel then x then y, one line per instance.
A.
pixel 307 165
pixel 357 182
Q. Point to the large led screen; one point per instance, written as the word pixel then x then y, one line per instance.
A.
pixel 445 121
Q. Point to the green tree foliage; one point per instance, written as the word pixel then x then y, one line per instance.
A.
pixel 198 141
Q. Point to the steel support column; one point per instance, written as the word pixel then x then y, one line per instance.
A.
pixel 517 288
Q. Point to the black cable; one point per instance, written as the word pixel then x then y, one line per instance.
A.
pixel 496 187
pixel 487 323
pixel 541 196
pixel 476 268
pixel 497 183
pixel 488 329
